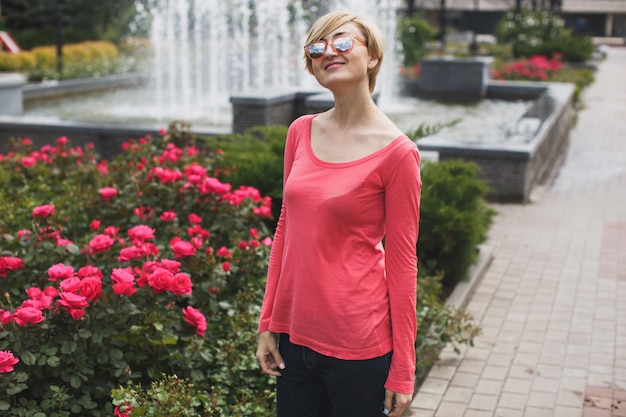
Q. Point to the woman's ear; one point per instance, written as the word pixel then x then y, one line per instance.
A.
pixel 372 62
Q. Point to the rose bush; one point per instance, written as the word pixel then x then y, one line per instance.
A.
pixel 116 272
pixel 535 68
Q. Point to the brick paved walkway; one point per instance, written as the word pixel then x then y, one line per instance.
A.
pixel 552 304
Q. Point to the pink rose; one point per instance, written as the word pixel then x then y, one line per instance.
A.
pixel 226 266
pixel 44 211
pixel 6 317
pixel 44 300
pixel 89 271
pixel 224 252
pixel 94 225
pixel 181 284
pixel 161 280
pixel 182 248
pixel 130 253
pixel 27 315
pixel 100 243
pixel 10 263
pixel 197 231
pixel 168 216
pixel 91 288
pixel 7 360
pixel 28 161
pixel 111 231
pixel 141 233
pixel 71 284
pixel 123 281
pixel 60 271
pixel 107 193
pixel 72 301
pixel 194 218
pixel 196 319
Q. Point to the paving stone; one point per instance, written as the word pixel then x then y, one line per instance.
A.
pixel 552 303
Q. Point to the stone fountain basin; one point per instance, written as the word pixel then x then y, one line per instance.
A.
pixel 512 166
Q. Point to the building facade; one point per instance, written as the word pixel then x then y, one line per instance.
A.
pixel 600 18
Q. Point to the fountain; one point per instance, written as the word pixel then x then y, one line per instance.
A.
pixel 228 65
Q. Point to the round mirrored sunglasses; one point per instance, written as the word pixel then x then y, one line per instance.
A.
pixel 342 44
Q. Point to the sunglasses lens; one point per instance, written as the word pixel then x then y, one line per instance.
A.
pixel 342 44
pixel 316 50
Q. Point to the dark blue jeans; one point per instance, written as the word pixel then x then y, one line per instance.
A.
pixel 315 385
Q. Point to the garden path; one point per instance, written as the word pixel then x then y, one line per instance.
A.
pixel 552 304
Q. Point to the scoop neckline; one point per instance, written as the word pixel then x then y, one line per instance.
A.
pixel 365 158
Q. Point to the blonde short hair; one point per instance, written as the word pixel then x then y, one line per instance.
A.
pixel 373 37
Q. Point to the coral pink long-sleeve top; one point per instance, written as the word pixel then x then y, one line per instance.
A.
pixel 331 284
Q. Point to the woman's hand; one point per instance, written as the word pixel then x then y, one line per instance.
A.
pixel 268 355
pixel 396 403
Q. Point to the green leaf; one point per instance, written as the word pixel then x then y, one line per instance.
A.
pixel 17 388
pixel 28 358
pixel 84 333
pixel 158 326
pixel 116 355
pixel 73 249
pixel 69 346
pixel 49 351
pixel 75 381
pixel 170 339
pixel 4 405
pixel 103 357
pixel 39 414
pixel 53 361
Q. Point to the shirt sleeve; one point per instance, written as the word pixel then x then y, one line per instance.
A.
pixel 402 204
pixel 276 254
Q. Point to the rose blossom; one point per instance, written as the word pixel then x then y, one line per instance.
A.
pixel 91 288
pixel 44 211
pixel 5 317
pixel 226 266
pixel 130 253
pixel 196 319
pixel 224 252
pixel 107 193
pixel 194 218
pixel 181 284
pixel 161 280
pixel 27 315
pixel 72 301
pixel 10 263
pixel 111 231
pixel 168 216
pixel 197 231
pixel 182 248
pixel 60 271
pixel 7 360
pixel 71 284
pixel 141 233
pixel 89 271
pixel 124 281
pixel 94 225
pixel 100 243
pixel 40 296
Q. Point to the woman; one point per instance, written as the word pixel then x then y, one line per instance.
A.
pixel 341 301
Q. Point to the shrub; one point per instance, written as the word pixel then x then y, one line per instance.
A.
pixel 535 68
pixel 578 48
pixel 85 59
pixel 414 33
pixel 541 33
pixel 454 219
pixel 527 28
pixel 156 268
pixel 91 250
